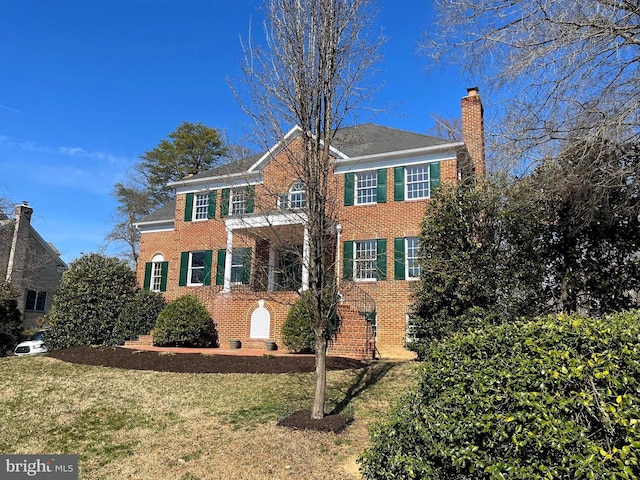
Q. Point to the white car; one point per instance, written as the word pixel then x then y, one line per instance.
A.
pixel 34 345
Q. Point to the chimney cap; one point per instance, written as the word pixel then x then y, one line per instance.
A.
pixel 472 91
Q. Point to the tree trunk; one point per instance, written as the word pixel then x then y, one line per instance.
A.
pixel 317 411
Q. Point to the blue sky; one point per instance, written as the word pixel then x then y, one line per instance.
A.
pixel 86 86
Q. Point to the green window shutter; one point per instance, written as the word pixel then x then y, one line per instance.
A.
pixel 246 266
pixel 347 273
pixel 207 267
pixel 398 258
pixel 434 177
pixel 348 189
pixel 164 271
pixel 222 256
pixel 188 207
pixel 398 184
pixel 224 206
pixel 382 186
pixel 184 268
pixel 211 209
pixel 147 275
pixel 251 193
pixel 381 253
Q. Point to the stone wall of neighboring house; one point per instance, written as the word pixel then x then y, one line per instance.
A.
pixel 29 264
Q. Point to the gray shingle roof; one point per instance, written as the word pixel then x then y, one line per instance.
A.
pixel 166 212
pixel 238 166
pixel 356 141
pixel 371 139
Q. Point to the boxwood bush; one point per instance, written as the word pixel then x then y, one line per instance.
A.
pixel 185 322
pixel 555 397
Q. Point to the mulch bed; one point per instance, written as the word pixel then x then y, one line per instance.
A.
pixel 197 363
pixel 117 357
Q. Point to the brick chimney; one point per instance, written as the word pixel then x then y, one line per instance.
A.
pixel 19 244
pixel 473 131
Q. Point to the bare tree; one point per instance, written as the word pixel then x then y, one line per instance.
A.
pixel 560 67
pixel 312 74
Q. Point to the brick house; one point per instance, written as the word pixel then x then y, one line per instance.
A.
pixel 29 263
pixel 235 236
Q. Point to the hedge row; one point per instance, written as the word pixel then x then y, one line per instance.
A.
pixel 557 397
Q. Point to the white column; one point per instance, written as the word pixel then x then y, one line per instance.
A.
pixel 227 262
pixel 305 260
pixel 272 268
pixel 338 257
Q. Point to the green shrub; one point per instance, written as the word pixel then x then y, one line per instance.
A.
pixel 297 331
pixel 185 322
pixel 10 319
pixel 556 397
pixel 139 316
pixel 88 302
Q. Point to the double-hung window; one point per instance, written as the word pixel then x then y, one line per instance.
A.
pixel 196 268
pixel 36 301
pixel 406 258
pixel 238 204
pixel 155 274
pixel 417 182
pixel 201 206
pixel 365 260
pixel 412 259
pixel 366 185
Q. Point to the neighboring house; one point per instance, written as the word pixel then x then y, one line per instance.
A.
pixel 30 264
pixel 235 236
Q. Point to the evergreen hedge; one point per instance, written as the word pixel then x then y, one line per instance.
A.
pixel 556 397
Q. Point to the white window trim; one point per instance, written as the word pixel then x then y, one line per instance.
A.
pixel 406 182
pixel 205 205
pixel 156 272
pixel 191 268
pixel 374 174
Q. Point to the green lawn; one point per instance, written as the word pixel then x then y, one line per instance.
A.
pixel 149 425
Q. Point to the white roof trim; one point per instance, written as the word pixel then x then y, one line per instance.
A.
pixel 414 156
pixel 223 181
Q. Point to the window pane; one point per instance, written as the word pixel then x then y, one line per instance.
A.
pixel 196 274
pixel 40 301
pixel 418 182
pixel 237 265
pixel 201 205
pixel 156 276
pixel 31 300
pixel 297 195
pixel 366 187
pixel 365 264
pixel 239 201
pixel 413 264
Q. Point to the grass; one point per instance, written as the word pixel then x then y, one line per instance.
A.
pixel 141 425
